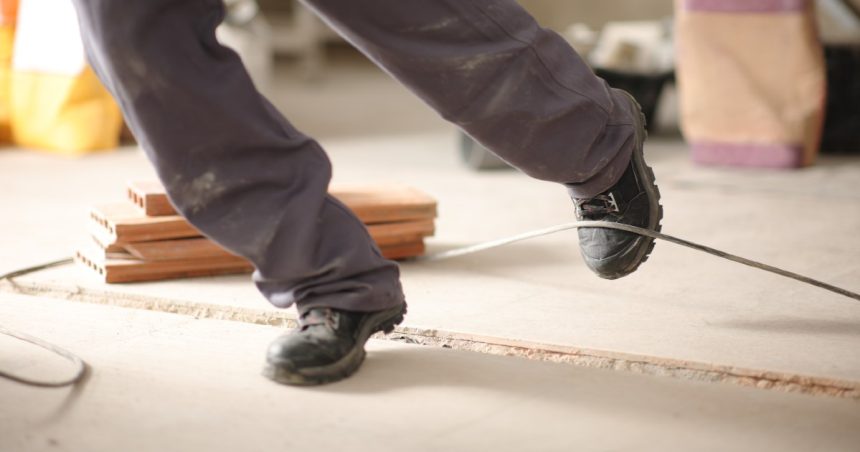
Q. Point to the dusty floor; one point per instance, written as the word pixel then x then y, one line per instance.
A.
pixel 170 382
pixel 717 327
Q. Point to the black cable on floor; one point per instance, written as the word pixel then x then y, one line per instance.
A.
pixel 643 232
pixel 80 365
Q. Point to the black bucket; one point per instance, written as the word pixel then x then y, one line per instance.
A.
pixel 842 124
pixel 646 88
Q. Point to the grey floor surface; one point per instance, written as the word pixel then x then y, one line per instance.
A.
pixel 159 380
pixel 680 307
pixel 169 382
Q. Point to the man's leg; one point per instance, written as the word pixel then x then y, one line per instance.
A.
pixel 525 94
pixel 486 66
pixel 240 173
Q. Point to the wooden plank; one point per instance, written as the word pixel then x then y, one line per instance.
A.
pixel 115 224
pixel 123 224
pixel 403 232
pixel 403 250
pixel 149 196
pixel 371 203
pixel 113 248
pixel 193 248
pixel 119 268
pixel 107 253
pixel 202 248
pixel 385 203
pixel 132 270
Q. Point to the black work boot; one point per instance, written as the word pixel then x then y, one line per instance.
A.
pixel 633 200
pixel 328 345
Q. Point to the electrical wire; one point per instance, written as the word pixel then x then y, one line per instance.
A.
pixel 446 255
pixel 643 232
pixel 80 365
pixel 36 268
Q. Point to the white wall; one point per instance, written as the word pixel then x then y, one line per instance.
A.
pixel 559 14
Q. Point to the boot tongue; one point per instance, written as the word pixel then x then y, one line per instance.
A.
pixel 316 316
pixel 598 207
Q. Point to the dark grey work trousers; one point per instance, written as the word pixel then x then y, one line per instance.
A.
pixel 246 178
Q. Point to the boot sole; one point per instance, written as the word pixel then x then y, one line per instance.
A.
pixel 643 246
pixel 384 321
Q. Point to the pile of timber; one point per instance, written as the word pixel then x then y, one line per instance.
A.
pixel 144 239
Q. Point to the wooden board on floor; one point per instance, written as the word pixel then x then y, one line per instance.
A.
pixel 203 260
pixel 133 270
pixel 371 203
pixel 200 248
pixel 374 204
pixel 114 224
pixel 98 252
pixel 149 196
pixel 385 234
pixel 165 250
pixel 394 247
pixel 403 250
pixel 109 251
pixel 122 224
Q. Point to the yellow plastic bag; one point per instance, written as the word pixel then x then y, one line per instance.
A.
pixel 57 102
pixel 8 14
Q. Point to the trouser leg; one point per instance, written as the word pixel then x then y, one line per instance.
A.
pixel 233 166
pixel 487 66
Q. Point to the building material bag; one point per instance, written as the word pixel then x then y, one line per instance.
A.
pixel 752 81
pixel 8 15
pixel 57 102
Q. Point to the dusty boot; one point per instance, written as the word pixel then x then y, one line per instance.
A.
pixel 328 346
pixel 633 200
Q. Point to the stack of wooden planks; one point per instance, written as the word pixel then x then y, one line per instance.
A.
pixel 145 239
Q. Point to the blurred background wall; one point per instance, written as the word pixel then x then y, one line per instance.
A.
pixel 556 14
pixel 560 14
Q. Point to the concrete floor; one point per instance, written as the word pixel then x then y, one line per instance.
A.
pixel 169 382
pixel 681 310
pixel 685 315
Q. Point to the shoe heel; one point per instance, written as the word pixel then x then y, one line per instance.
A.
pixel 389 326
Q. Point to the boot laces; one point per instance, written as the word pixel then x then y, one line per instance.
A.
pixel 318 316
pixel 598 206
